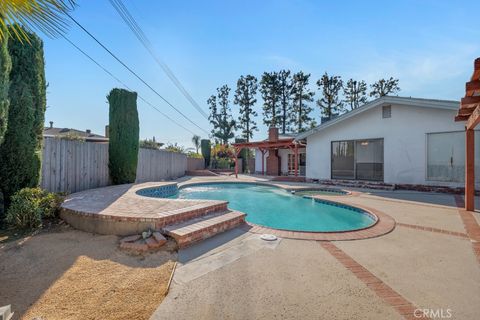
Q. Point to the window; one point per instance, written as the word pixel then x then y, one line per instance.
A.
pixel 357 159
pixel 386 112
pixel 446 156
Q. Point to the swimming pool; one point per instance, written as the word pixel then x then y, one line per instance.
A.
pixel 279 209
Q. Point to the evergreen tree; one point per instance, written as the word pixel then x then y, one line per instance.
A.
pixel 123 136
pixel 5 66
pixel 301 97
pixel 330 104
pixel 355 93
pixel 21 148
pixel 270 89
pixel 220 115
pixel 285 83
pixel 384 87
pixel 206 148
pixel 245 98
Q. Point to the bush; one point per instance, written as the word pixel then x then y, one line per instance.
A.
pixel 124 136
pixel 30 206
pixel 21 148
pixel 224 163
pixel 195 155
pixel 206 151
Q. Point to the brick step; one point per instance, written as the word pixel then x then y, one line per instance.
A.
pixel 189 213
pixel 198 229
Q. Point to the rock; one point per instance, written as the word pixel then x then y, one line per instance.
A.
pixel 131 238
pixel 152 243
pixel 159 238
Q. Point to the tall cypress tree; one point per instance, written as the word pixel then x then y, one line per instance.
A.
pixel 123 134
pixel 285 84
pixel 21 148
pixel 220 115
pixel 5 67
pixel 245 98
pixel 330 104
pixel 302 96
pixel 270 89
pixel 355 93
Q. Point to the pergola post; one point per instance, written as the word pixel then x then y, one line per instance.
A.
pixel 469 170
pixel 296 160
pixel 263 151
pixel 470 112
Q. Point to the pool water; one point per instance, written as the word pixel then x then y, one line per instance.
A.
pixel 278 209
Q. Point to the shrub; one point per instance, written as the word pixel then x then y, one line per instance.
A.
pixel 124 136
pixel 206 150
pixel 224 163
pixel 30 206
pixel 195 155
pixel 5 66
pixel 21 148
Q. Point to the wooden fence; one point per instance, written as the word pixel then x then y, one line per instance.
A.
pixel 155 165
pixel 71 166
pixel 195 164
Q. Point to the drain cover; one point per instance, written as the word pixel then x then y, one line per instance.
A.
pixel 268 237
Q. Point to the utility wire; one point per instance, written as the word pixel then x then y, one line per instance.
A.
pixel 122 10
pixel 133 72
pixel 122 83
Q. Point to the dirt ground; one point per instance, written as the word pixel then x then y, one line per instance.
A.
pixel 69 274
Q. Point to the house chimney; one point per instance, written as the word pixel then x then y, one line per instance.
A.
pixel 88 131
pixel 273 134
pixel 106 131
pixel 51 124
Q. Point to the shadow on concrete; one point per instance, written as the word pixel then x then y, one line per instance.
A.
pixel 442 199
pixel 211 245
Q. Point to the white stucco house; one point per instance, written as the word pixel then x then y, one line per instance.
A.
pixel 395 140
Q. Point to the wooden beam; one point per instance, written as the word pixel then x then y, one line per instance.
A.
pixel 469 169
pixel 472 87
pixel 461 117
pixel 474 119
pixel 466 102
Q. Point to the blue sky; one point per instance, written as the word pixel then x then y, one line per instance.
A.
pixel 429 45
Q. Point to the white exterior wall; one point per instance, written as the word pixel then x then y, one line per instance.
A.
pixel 405 141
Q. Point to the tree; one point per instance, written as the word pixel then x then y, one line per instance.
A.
pixel 285 83
pixel 150 144
pixel 220 115
pixel 270 89
pixel 245 98
pixel 47 16
pixel 301 96
pixel 123 136
pixel 196 142
pixel 330 104
pixel 384 87
pixel 21 148
pixel 355 93
pixel 5 67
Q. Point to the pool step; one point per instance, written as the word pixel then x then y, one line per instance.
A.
pixel 188 213
pixel 189 232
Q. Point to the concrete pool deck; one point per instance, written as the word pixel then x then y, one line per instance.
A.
pixel 427 262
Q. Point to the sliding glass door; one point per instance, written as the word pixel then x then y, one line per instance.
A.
pixel 357 159
pixel 343 160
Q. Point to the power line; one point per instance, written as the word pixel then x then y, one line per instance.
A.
pixel 133 72
pixel 122 10
pixel 126 86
